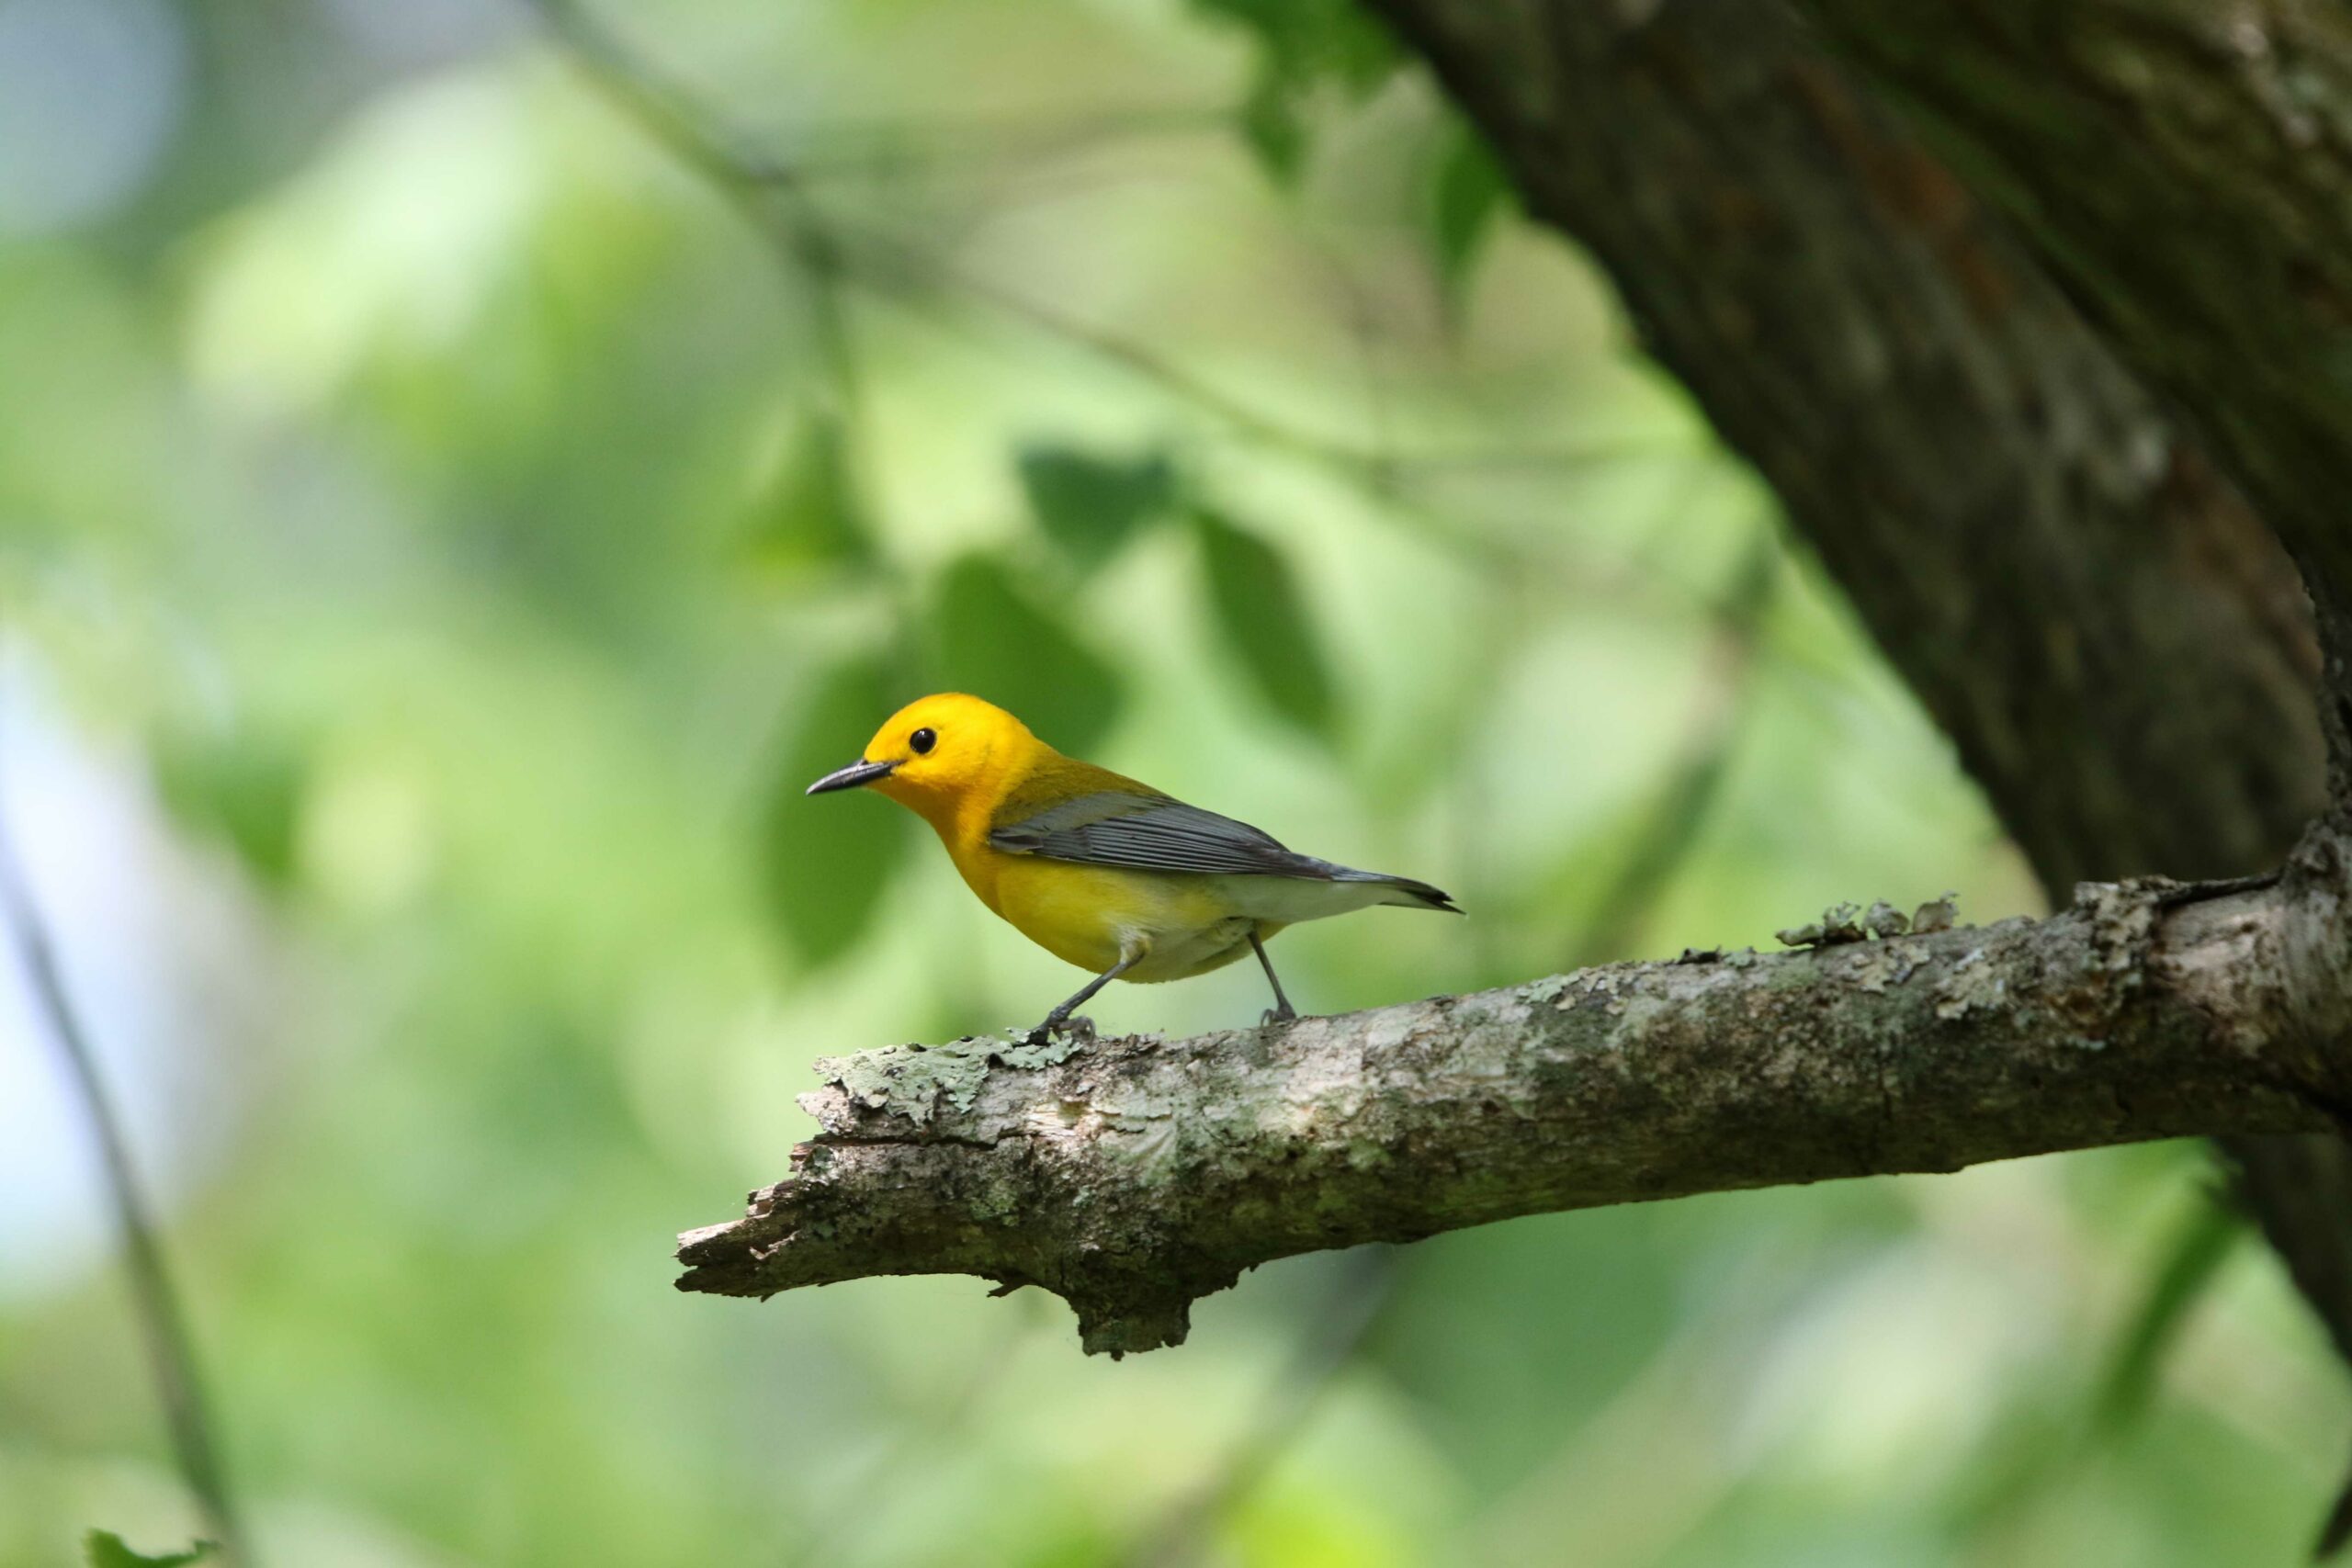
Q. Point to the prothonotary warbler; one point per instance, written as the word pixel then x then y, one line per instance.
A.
pixel 1099 869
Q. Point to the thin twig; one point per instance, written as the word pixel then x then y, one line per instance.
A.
pixel 908 268
pixel 1388 479
pixel 825 249
pixel 170 1350
pixel 891 149
pixel 831 253
pixel 772 198
pixel 768 191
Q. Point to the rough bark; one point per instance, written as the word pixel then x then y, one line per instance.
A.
pixel 1134 1176
pixel 2114 641
pixel 2186 167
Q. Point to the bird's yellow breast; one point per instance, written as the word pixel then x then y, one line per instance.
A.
pixel 1172 924
pixel 1093 916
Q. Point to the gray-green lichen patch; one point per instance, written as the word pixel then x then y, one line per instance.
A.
pixel 2123 922
pixel 1599 984
pixel 1843 925
pixel 1028 1054
pixel 1838 924
pixel 1935 915
pixel 1638 1011
pixel 1881 967
pixel 911 1080
pixel 1973 983
pixel 1548 989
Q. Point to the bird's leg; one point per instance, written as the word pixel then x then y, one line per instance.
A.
pixel 1060 1018
pixel 1282 1012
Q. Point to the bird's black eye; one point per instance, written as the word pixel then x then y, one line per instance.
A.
pixel 922 740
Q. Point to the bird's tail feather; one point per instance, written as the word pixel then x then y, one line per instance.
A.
pixel 1406 892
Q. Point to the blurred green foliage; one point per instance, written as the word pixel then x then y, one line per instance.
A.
pixel 1262 620
pixel 818 518
pixel 1090 505
pixel 2206 1234
pixel 1301 46
pixel 1468 197
pixel 435 553
pixel 827 873
pixel 104 1548
pixel 1008 641
pixel 244 789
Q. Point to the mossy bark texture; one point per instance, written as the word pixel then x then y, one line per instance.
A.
pixel 1133 1176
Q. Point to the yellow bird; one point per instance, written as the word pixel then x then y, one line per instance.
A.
pixel 1097 869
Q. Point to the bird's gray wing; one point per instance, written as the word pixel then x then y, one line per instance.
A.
pixel 1153 833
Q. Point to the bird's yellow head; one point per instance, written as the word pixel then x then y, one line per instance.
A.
pixel 936 753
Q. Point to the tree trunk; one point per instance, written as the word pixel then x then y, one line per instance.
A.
pixel 2186 170
pixel 2113 639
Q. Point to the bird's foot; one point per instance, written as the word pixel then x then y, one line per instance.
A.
pixel 1283 1015
pixel 1076 1026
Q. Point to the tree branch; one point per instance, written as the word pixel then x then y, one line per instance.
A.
pixel 1133 1176
pixel 162 1320
pixel 2119 649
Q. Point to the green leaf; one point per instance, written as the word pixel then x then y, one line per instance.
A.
pixel 1275 130
pixel 826 862
pixel 1262 618
pixel 815 516
pixel 1302 45
pixel 241 787
pixel 104 1548
pixel 1467 194
pixel 996 640
pixel 2199 1248
pixel 1307 42
pixel 1090 505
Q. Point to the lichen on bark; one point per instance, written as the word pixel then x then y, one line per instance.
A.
pixel 1133 1176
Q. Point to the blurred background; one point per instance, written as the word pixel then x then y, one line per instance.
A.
pixel 465 467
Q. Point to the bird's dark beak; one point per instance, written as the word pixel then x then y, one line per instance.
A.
pixel 856 773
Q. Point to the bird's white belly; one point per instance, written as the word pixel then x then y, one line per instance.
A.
pixel 1178 955
pixel 1286 900
pixel 1182 945
pixel 1175 924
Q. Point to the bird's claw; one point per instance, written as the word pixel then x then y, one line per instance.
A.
pixel 1078 1027
pixel 1284 1014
